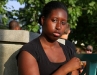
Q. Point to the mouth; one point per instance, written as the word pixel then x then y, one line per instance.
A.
pixel 56 34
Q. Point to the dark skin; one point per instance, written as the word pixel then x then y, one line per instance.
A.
pixel 53 27
pixel 15 26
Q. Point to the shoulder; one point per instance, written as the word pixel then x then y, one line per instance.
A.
pixel 32 47
pixel 31 44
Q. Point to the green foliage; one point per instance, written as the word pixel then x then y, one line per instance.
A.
pixel 30 14
pixel 34 27
pixel 3 11
pixel 74 13
pixel 4 19
pixel 86 28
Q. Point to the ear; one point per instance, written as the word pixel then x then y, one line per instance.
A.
pixel 42 20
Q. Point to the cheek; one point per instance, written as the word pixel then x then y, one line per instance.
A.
pixel 50 25
pixel 53 27
pixel 63 28
pixel 47 27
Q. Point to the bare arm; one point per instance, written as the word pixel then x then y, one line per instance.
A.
pixel 75 72
pixel 27 64
pixel 62 72
pixel 65 72
pixel 70 66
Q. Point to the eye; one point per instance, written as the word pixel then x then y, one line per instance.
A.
pixel 54 20
pixel 63 22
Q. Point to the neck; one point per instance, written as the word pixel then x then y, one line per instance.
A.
pixel 44 41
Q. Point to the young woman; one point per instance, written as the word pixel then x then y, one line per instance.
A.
pixel 44 55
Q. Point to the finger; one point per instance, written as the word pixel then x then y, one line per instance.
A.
pixel 78 59
pixel 81 64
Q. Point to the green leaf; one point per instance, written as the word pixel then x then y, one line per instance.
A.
pixel 46 1
pixel 92 3
pixel 89 12
pixel 35 28
pixel 30 1
pixel 70 10
pixel 21 1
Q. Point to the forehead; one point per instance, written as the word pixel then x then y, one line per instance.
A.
pixel 58 13
pixel 14 23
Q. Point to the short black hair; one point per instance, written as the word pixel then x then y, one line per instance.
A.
pixel 51 6
pixel 11 22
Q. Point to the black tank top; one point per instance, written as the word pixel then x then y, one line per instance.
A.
pixel 45 66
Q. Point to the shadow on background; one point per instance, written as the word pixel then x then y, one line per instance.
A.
pixel 11 65
pixel 1 59
pixel 1 51
pixel 33 35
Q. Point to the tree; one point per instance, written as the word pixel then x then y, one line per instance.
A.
pixel 86 28
pixel 3 12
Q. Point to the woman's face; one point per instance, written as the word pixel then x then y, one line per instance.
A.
pixel 55 24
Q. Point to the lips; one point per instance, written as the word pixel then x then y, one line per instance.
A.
pixel 57 34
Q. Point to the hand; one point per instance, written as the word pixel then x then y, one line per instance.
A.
pixel 74 64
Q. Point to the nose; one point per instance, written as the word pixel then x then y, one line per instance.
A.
pixel 58 26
